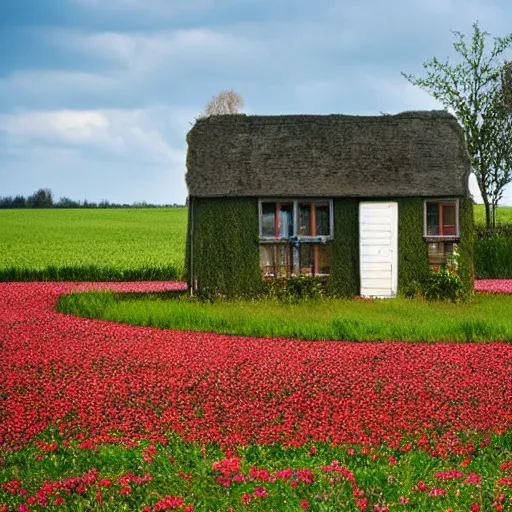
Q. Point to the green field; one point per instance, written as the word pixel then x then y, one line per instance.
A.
pixel 104 244
pixel 95 245
pixel 503 215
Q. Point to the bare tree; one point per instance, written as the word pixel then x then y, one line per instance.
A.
pixel 226 102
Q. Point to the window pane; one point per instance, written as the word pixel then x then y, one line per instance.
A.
pixel 315 259
pixel 306 256
pixel 324 259
pixel 285 220
pixel 439 253
pixel 304 219
pixel 449 222
pixel 435 255
pixel 448 249
pixel 322 220
pixel 267 260
pixel 432 218
pixel 268 218
pixel 285 260
pixel 276 260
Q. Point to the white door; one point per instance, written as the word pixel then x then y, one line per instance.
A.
pixel 378 249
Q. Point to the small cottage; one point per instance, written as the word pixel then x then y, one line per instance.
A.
pixel 372 203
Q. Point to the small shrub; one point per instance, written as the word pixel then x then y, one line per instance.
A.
pixel 444 285
pixel 296 288
pixel 412 290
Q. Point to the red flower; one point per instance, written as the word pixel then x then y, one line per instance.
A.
pixel 466 461
pixel 474 478
pixel 453 474
pixel 260 492
pixel 227 466
pixel 506 466
pixel 168 503
pixel 362 503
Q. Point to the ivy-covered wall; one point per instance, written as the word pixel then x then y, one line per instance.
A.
pixel 225 254
pixel 344 278
pixel 224 257
pixel 467 246
pixel 413 269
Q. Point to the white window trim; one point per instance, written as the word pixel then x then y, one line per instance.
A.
pixel 295 237
pixel 440 238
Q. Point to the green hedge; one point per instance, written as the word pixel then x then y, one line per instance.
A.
pixel 90 273
pixel 493 252
pixel 493 256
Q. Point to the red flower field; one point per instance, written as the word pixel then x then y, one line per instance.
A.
pixel 94 380
pixel 95 377
pixel 494 285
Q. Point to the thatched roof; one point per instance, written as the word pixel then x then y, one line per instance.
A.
pixel 408 154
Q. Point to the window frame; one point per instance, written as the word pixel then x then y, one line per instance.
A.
pixel 296 237
pixel 295 240
pixel 440 238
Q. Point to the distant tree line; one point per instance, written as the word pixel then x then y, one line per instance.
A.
pixel 43 198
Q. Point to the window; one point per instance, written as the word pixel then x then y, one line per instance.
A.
pixel 441 219
pixel 294 236
pixel 439 252
pixel 441 230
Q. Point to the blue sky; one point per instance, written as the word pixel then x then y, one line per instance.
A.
pixel 96 96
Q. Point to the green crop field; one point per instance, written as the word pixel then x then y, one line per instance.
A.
pixel 104 244
pixel 95 245
pixel 503 215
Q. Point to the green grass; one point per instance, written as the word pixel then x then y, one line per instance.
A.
pixel 381 482
pixel 485 318
pixel 94 245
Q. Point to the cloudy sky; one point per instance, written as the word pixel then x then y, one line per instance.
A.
pixel 96 96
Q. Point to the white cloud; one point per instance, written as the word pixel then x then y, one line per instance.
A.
pixel 70 125
pixel 146 51
pixel 139 135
